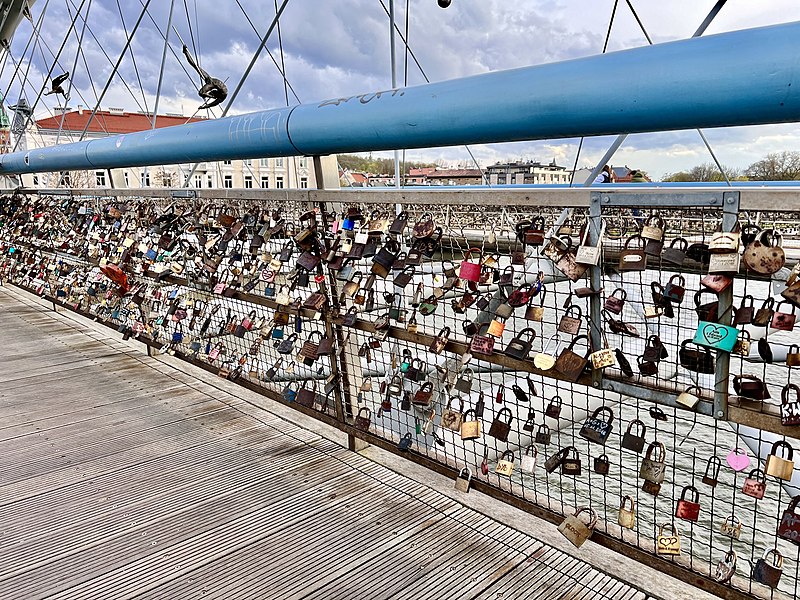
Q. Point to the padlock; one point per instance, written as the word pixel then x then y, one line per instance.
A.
pixel 471 271
pixel 789 527
pixel 726 568
pixel 464 382
pixel 470 428
pixel 764 255
pixel 668 543
pixel 543 434
pixel 651 488
pixel 790 408
pixel 742 344
pixel 616 301
pixel 505 466
pixel 654 228
pixel 744 314
pixel 555 460
pixel 553 409
pixel 634 441
pixel 530 421
pixel 463 480
pixel 676 252
pixel 451 417
pixel 688 509
pixel 528 461
pixel 440 341
pixel 404 445
pixel 782 320
pixel 731 527
pixel 520 345
pixel 571 465
pixel 430 423
pixel 653 468
pixel 711 475
pixel 755 484
pixel 496 327
pixel 363 418
pixel 654 349
pixel 533 312
pixel 423 395
pixel 482 343
pixel 777 466
pixel 500 428
pixel 675 289
pixel 307 396
pixel 763 316
pixel 575 530
pixel 769 568
pixel 726 263
pixel 571 321
pixel 603 358
pixel 626 517
pixel 633 259
pixel 598 427
pixel 602 465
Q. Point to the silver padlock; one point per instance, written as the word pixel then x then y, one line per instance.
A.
pixel 463 480
pixel 726 567
pixel 528 463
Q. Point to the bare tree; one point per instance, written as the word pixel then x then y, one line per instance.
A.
pixel 777 166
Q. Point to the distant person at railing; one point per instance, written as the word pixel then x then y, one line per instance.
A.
pixel 605 176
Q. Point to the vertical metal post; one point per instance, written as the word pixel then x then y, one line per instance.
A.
pixel 730 217
pixel 596 280
pixel 393 55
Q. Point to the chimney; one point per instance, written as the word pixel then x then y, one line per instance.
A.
pixel 80 109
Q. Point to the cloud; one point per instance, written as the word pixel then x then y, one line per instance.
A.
pixel 342 48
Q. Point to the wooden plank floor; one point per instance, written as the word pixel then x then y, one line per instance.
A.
pixel 122 477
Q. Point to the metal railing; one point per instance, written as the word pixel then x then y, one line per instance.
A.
pixel 230 283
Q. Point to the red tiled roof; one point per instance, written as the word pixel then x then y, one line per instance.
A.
pixel 107 122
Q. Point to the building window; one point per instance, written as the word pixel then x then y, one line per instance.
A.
pixel 304 183
pixel 127 180
pixel 35 179
pixel 264 181
pixel 144 178
pixel 279 162
pixel 198 181
pixel 248 162
pixel 100 178
pixel 66 180
pixel 227 162
pixel 227 181
pixel 303 162
pixel 210 181
pixel 248 182
pixel 279 183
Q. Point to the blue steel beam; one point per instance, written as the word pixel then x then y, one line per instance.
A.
pixel 744 77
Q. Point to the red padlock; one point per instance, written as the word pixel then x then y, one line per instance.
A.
pixel 471 271
pixel 688 509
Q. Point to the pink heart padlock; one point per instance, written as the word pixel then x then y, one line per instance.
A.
pixel 738 459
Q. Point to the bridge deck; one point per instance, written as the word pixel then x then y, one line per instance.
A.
pixel 123 477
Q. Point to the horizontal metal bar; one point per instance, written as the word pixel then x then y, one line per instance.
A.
pixel 660 198
pixel 664 398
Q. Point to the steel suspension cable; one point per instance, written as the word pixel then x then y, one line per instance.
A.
pixel 133 58
pixel 74 69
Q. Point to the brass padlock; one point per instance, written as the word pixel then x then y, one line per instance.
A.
pixel 463 480
pixel 470 428
pixel 777 466
pixel 668 543
pixel 575 530
pixel 451 417
pixel 687 398
pixel 626 517
pixel 653 228
pixel 732 527
pixel 505 466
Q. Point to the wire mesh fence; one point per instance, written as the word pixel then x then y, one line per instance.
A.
pixel 626 356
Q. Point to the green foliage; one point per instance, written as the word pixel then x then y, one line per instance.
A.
pixel 704 172
pixel 777 166
pixel 376 166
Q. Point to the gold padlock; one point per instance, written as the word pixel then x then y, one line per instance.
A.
pixel 780 467
pixel 470 429
pixel 627 516
pixel 668 543
pixel 575 530
pixel 687 398
pixel 505 466
pixel 603 358
pixel 652 312
pixel 496 327
pixel 732 527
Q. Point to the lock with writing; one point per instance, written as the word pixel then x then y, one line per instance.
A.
pixel 653 467
pixel 576 530
pixel 688 508
pixel 505 466
pixel 668 542
pixel 598 427
pixel 755 484
pixel 571 463
pixel 789 527
pixel 731 527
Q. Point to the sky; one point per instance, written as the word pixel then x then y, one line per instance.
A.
pixel 337 48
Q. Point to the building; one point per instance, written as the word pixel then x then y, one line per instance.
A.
pixel 455 177
pixel 526 173
pixel 276 173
